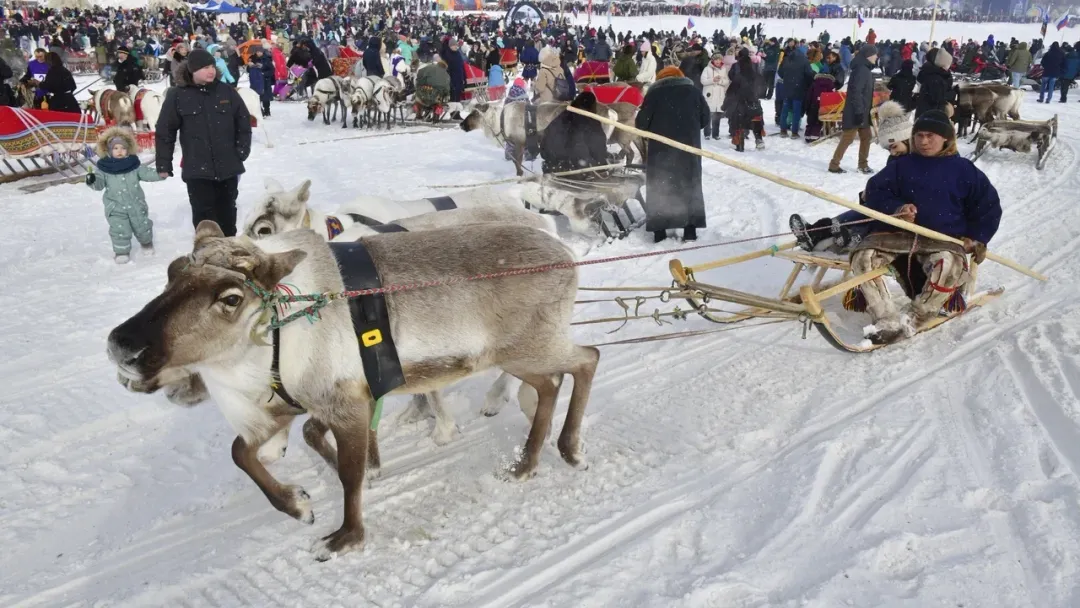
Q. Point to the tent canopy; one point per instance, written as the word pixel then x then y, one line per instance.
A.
pixel 218 7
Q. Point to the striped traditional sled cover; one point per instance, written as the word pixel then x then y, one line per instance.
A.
pixel 25 133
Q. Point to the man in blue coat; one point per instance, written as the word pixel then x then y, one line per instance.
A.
pixel 935 188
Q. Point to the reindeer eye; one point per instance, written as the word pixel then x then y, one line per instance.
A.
pixel 231 300
pixel 265 231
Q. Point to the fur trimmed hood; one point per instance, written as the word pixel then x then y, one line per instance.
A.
pixel 124 133
pixel 549 56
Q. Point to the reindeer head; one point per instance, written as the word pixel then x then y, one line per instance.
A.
pixel 314 106
pixel 279 211
pixel 475 118
pixel 206 311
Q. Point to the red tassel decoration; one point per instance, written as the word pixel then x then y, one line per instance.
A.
pixel 855 300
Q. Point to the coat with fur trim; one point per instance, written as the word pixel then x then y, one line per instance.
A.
pixel 674 108
pixel 123 195
pixel 548 76
pixel 214 129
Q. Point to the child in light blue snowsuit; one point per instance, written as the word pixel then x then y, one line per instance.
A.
pixel 119 173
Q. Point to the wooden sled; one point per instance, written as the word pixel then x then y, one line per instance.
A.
pixel 802 303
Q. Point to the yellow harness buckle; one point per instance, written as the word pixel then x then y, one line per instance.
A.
pixel 371 338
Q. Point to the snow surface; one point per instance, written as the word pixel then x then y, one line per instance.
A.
pixel 745 468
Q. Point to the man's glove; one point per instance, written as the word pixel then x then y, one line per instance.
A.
pixel 976 249
pixel 90 179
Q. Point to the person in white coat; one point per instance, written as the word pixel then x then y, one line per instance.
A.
pixel 715 81
pixel 646 73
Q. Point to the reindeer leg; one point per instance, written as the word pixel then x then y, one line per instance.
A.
pixel 291 500
pixel 547 390
pixel 352 434
pixel 519 159
pixel 570 438
pixel 444 430
pixel 315 436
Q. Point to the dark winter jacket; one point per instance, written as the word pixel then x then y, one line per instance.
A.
pixel 839 74
pixel 373 58
pixel 572 142
pixel 127 73
pixel 59 85
pixel 319 62
pixel 455 66
pixel 530 59
pixel 601 51
pixel 772 57
pixel 214 128
pixel 692 66
pixel 797 75
pixel 741 102
pixel 902 86
pixel 936 83
pixel 860 94
pixel 1053 62
pixel 951 194
pixel 1072 65
pixel 674 108
pixel 261 73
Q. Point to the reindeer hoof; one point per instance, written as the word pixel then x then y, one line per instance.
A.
pixel 575 459
pixel 339 543
pixel 494 405
pixel 522 470
pixel 443 435
pixel 296 503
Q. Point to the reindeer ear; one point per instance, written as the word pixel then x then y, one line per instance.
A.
pixel 207 229
pixel 303 191
pixel 278 266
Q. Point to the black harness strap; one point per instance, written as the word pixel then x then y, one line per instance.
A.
pixel 363 219
pixel 388 228
pixel 442 203
pixel 532 138
pixel 371 319
pixel 275 376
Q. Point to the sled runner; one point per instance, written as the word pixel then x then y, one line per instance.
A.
pixel 1018 136
pixel 806 302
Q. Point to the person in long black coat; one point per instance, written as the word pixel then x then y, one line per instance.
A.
pixel 857 105
pixel 902 85
pixel 373 57
pixel 573 141
pixel 455 66
pixel 674 108
pixel 936 82
pixel 59 86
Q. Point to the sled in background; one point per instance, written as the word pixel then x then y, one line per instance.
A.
pixel 41 142
pixel 806 302
pixel 593 72
pixel 1018 136
pixel 476 84
pixel 831 112
pixel 616 92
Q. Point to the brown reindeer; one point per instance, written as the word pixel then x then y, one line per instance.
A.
pixel 208 317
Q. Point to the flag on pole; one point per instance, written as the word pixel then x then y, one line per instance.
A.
pixel 689 23
pixel 859 19
pixel 1064 22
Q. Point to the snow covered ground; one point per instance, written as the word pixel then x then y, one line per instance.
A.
pixel 746 468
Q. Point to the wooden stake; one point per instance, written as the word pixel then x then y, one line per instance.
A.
pixel 776 179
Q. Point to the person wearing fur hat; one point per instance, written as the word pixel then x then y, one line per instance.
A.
pixel 857 105
pixel 674 108
pixel 935 82
pixel 646 66
pixel 936 188
pixel 119 174
pixel 902 85
pixel 547 80
pixel 214 129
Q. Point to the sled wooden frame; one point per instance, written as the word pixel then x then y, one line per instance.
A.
pixel 802 303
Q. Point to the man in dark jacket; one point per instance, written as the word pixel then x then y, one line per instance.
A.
pixel 797 76
pixel 935 188
pixel 857 105
pixel 572 141
pixel 126 71
pixel 215 137
pixel 1053 64
pixel 318 60
pixel 674 108
pixel 772 58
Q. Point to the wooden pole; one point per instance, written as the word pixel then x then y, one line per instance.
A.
pixel 525 178
pixel 787 183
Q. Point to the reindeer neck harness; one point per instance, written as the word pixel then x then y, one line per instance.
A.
pixel 370 320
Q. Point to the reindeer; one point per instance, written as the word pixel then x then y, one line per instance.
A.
pixel 112 107
pixel 330 92
pixel 212 315
pixel 147 107
pixel 282 211
pixel 504 123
